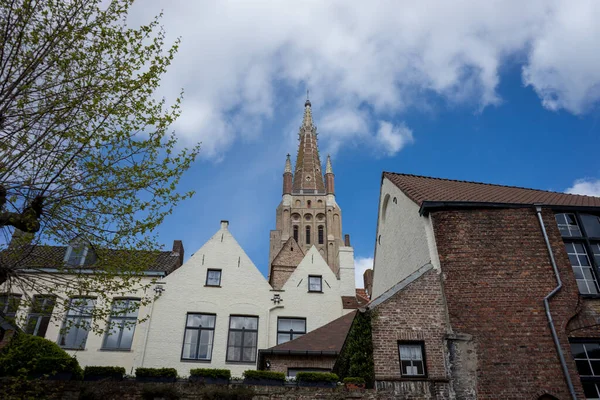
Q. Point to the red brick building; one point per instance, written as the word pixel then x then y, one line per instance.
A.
pixel 485 291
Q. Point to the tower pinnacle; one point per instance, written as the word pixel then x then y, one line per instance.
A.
pixel 308 178
pixel 328 168
pixel 288 165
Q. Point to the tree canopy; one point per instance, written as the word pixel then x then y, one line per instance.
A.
pixel 86 147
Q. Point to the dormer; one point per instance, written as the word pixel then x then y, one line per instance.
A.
pixel 77 253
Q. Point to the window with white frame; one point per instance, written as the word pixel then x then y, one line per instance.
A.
pixel 9 305
pixel 40 314
pixel 121 325
pixel 78 322
pixel 581 234
pixel 213 277
pixel 243 338
pixel 199 335
pixel 315 283
pixel 587 358
pixel 290 329
pixel 76 253
pixel 412 360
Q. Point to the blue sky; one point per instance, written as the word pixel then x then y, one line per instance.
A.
pixel 496 92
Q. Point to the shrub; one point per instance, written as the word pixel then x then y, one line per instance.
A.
pixel 316 377
pixel 211 373
pixel 156 372
pixel 32 355
pixel 354 379
pixel 276 376
pixel 151 392
pixel 356 357
pixel 88 371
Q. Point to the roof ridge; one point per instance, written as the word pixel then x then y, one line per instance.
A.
pixel 485 183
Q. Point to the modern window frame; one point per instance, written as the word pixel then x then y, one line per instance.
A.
pixel 78 325
pixel 421 344
pixel 589 243
pixel 200 329
pixel 243 330
pixel 586 380
pixel 320 283
pixel 16 298
pixel 291 332
pixel 41 315
pixel 124 320
pixel 208 271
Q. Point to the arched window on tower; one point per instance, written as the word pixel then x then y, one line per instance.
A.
pixel 308 203
pixel 308 234
pixel 296 233
pixel 321 235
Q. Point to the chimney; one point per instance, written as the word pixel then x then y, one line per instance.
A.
pixel 178 250
pixel 347 240
pixel 224 224
pixel 368 281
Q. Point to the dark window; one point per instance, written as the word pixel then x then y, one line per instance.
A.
pixel 198 339
pixel 243 336
pixel 290 329
pixel 9 305
pixel 315 283
pixel 78 322
pixel 321 234
pixel 587 358
pixel 121 325
pixel 213 277
pixel 412 361
pixel 581 233
pixel 39 315
pixel 308 203
pixel 308 235
pixel 296 233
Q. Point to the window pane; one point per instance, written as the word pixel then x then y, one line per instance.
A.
pixel 590 389
pixel 189 343
pixel 583 366
pixel 234 353
pixel 112 336
pixel 593 350
pixel 284 324
pixel 577 350
pixel 127 336
pixel 591 223
pixel 200 320
pixel 282 338
pixel 76 336
pixel 43 326
pixel 298 325
pixel 249 354
pixel 250 339
pixel 31 325
pixel 235 339
pixel 205 348
pixel 213 278
pixel 314 283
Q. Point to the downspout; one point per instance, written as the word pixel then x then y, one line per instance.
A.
pixel 561 356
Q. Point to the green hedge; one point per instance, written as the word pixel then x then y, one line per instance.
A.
pixel 32 355
pixel 211 373
pixel 91 370
pixel 354 379
pixel 156 372
pixel 252 374
pixel 316 377
pixel 356 357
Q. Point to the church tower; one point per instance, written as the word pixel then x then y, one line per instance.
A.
pixel 308 214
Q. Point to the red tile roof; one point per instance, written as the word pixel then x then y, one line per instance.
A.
pixel 423 188
pixel 329 337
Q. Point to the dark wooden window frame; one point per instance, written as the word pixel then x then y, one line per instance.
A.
pixel 424 358
pixel 220 276
pixel 320 280
pixel 199 329
pixel 243 330
pixel 123 320
pixel 291 333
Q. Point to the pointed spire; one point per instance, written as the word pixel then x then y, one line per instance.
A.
pixel 288 165
pixel 308 177
pixel 328 167
pixel 307 121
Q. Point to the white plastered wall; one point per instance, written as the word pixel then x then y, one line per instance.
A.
pixel 404 241
pixel 243 291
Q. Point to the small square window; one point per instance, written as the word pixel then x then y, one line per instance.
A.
pixel 213 277
pixel 315 283
pixel 412 360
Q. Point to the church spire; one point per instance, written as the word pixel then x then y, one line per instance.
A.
pixel 329 177
pixel 308 177
pixel 328 168
pixel 287 176
pixel 288 165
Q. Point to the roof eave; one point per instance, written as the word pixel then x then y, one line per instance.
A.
pixel 428 206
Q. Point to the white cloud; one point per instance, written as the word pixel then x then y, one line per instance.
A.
pixel 393 138
pixel 368 63
pixel 361 264
pixel 588 187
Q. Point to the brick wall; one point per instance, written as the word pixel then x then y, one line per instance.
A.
pixel 281 363
pixel 416 313
pixel 496 274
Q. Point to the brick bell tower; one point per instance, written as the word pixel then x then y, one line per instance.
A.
pixel 308 214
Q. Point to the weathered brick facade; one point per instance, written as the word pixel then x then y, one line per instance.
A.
pixel 497 272
pixel 281 362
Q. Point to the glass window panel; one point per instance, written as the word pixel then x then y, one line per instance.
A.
pixel 42 326
pixel 249 339
pixel 419 365
pixel 577 350
pixel 235 339
pixel 213 277
pixel 236 322
pixel 578 247
pixel 284 324
pixel 234 353
pixel 573 259
pixel 406 368
pixel 583 288
pixel 251 323
pixel 591 224
pixel 298 325
pixel 31 325
pixel 282 338
pixel 595 367
pixel 593 350
pixel 590 389
pixel 583 367
pixel 570 248
pixel 249 354
pixel 112 338
pixel 295 336
pixel 127 336
pixel 314 283
pixel 583 260
pixel 578 273
pixel 587 274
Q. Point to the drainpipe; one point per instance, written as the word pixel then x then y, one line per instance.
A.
pixel 561 356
